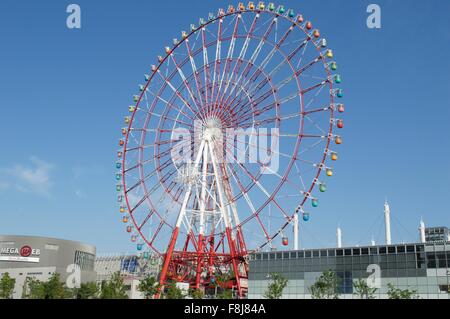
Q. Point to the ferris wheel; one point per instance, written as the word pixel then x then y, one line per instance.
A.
pixel 228 142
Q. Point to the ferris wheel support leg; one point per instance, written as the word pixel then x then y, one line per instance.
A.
pixel 236 270
pixel 199 261
pixel 202 219
pixel 173 240
pixel 239 236
pixel 227 221
pixel 167 259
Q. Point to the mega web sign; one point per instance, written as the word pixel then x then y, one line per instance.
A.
pixel 23 254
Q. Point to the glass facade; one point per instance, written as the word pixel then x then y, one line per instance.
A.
pixel 84 260
pixel 421 267
pixel 437 234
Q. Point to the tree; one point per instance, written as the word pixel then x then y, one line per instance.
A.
pixel 363 290
pixel 221 280
pixel 113 288
pixel 221 283
pixel 7 286
pixel 149 286
pixel 87 290
pixel 33 289
pixel 325 286
pixel 51 289
pixel 276 286
pixel 196 293
pixel 173 292
pixel 396 293
pixel 225 294
pixel 54 288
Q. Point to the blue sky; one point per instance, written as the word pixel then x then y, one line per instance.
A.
pixel 63 95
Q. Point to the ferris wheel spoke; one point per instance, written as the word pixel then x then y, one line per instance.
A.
pixel 196 40
pixel 273 88
pixel 207 72
pixel 146 219
pixel 178 94
pixel 217 59
pixel 186 84
pixel 229 56
pixel 149 175
pixel 196 77
pixel 158 229
pixel 297 73
pixel 171 104
pixel 274 50
pixel 314 124
pixel 252 60
pixel 253 178
pixel 257 183
pixel 287 180
pixel 315 86
pixel 256 101
pixel 267 150
pixel 277 87
pixel 165 117
pixel 248 201
pixel 240 58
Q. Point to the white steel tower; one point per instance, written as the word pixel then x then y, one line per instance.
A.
pixel 387 221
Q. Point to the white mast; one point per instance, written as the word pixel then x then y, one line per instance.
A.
pixel 422 231
pixel 387 221
pixel 339 237
pixel 295 231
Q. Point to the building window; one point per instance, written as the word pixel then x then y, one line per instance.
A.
pixel 356 252
pixel 308 254
pixel 420 261
pixel 431 260
pixel 339 252
pixel 331 253
pixel 391 250
pixel 410 249
pixel 347 252
pixel 315 253
pixel 84 260
pixel 323 253
pixel 51 247
pixel 382 250
pixel 301 254
pixel 373 250
pixel 345 282
pixel 441 262
pixel 364 251
pixel 401 249
pixel 444 288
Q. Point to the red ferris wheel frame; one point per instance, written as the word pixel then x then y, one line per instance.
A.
pixel 207 256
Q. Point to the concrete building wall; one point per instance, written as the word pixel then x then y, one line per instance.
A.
pixel 40 257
